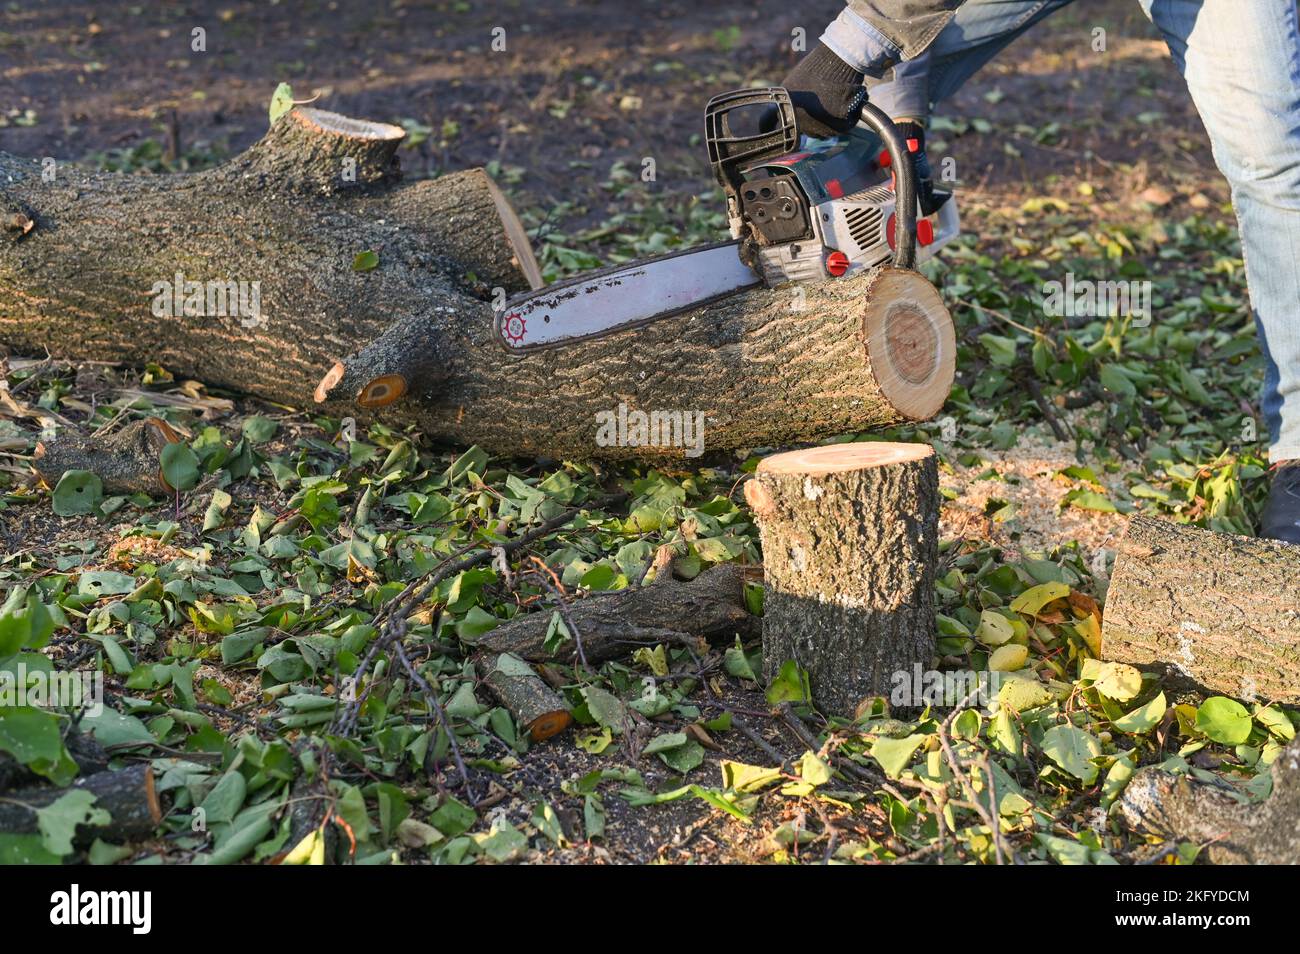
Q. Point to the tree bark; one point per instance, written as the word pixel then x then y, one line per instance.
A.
pixel 1211 611
pixel 612 625
pixel 414 335
pixel 850 543
pixel 537 708
pixel 127 461
pixel 127 795
pixel 1234 831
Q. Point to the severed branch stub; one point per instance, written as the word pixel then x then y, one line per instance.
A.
pixel 711 606
pixel 1233 830
pixel 850 544
pixel 1210 611
pixel 127 795
pixel 127 461
pixel 537 708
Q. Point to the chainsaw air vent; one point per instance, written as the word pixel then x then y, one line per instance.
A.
pixel 864 225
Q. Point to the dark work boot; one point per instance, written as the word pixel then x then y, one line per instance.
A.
pixel 1281 519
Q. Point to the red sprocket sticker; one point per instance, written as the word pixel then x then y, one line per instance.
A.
pixel 514 327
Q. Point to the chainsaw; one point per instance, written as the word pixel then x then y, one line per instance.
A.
pixel 799 209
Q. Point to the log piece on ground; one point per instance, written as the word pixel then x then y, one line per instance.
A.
pixel 1234 831
pixel 537 708
pixel 850 543
pixel 127 795
pixel 126 461
pixel 264 245
pixel 88 754
pixel 96 276
pixel 761 368
pixel 612 625
pixel 1211 611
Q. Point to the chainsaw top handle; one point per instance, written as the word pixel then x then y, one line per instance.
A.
pixel 729 150
pixel 904 179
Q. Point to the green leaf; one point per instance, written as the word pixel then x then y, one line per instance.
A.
pixel 453 818
pixel 894 755
pixel 216 511
pixel 1144 718
pixel 1224 720
pixel 1071 748
pixel 77 492
pixel 365 261
pixel 58 821
pixel 260 429
pixel 605 708
pixel 281 101
pixel 180 466
pixel 32 736
pixel 790 685
pixel 740 777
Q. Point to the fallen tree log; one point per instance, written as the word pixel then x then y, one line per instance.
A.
pixel 537 708
pixel 1210 611
pixel 612 625
pixel 136 268
pixel 127 795
pixel 126 461
pixel 850 544
pixel 1233 830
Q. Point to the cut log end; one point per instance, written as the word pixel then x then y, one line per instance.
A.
pixel 840 458
pixel 382 391
pixel 516 235
pixel 549 724
pixel 335 124
pixel 332 377
pixel 910 341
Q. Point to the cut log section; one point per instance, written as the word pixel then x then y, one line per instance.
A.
pixel 127 795
pixel 1204 813
pixel 126 462
pixel 1210 611
pixel 613 625
pixel 850 543
pixel 243 276
pixel 537 708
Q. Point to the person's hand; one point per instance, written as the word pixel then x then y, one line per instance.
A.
pixel 822 88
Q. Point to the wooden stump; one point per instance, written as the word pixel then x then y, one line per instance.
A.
pixel 850 543
pixel 1211 611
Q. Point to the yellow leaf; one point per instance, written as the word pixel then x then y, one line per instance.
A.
pixel 1032 600
pixel 309 851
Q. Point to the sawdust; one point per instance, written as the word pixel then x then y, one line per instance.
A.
pixel 1027 476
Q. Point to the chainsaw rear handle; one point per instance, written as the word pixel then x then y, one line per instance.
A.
pixel 904 178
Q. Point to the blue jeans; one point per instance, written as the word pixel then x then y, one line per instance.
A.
pixel 1241 62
